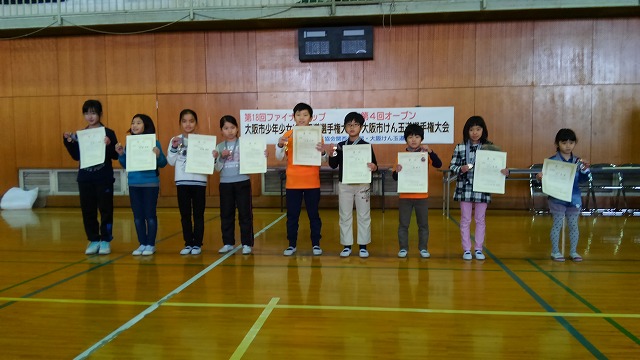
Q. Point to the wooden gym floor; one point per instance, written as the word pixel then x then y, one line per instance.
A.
pixel 57 303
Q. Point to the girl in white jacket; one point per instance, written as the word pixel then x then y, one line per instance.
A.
pixel 191 187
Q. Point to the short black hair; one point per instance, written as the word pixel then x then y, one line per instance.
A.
pixel 354 116
pixel 94 105
pixel 413 129
pixel 475 121
pixel 303 106
pixel 564 135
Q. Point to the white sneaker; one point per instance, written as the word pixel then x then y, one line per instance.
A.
pixel 317 251
pixel 425 254
pixel 364 253
pixel 149 250
pixel 138 251
pixel 186 250
pixel 196 250
pixel 467 255
pixel 105 248
pixel 92 248
pixel 246 249
pixel 225 249
pixel 402 253
pixel 479 255
pixel 345 252
pixel 289 251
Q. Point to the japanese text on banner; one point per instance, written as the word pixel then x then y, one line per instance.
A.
pixel 382 125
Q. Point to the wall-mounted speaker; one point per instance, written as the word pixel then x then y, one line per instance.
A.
pixel 335 43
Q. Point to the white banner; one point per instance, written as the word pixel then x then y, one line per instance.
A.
pixel 382 125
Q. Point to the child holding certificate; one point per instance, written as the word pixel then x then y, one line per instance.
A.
pixel 303 182
pixel 348 193
pixel 95 183
pixel 413 135
pixel 565 142
pixel 235 189
pixel 191 187
pixel 144 187
pixel 475 137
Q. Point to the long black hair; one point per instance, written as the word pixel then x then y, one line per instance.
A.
pixel 188 111
pixel 149 128
pixel 228 119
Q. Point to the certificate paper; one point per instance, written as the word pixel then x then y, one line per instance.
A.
pixel 92 147
pixel 414 176
pixel 200 154
pixel 252 159
pixel 139 152
pixel 354 164
pixel 487 177
pixel 557 179
pixel 305 139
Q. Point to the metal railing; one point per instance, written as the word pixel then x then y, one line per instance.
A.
pixel 42 14
pixel 11 8
pixel 27 8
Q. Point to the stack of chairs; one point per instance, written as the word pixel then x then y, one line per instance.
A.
pixel 629 182
pixel 605 184
pixel 535 190
pixel 601 193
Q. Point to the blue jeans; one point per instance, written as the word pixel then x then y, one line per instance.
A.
pixel 144 201
pixel 294 206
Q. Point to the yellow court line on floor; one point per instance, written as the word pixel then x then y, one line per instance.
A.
pixel 329 308
pixel 251 334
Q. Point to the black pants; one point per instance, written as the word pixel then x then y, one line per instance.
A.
pixel 192 197
pixel 232 196
pixel 94 197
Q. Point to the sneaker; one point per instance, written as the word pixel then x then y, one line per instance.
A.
pixel 105 248
pixel 576 257
pixel 196 250
pixel 246 249
pixel 480 255
pixel 138 251
pixel 317 251
pixel 425 254
pixel 364 253
pixel 186 250
pixel 92 248
pixel 345 252
pixel 557 257
pixel 467 255
pixel 149 250
pixel 225 249
pixel 402 253
pixel 289 251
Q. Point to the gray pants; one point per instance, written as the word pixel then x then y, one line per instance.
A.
pixel 405 208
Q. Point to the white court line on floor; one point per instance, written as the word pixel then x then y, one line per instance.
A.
pixel 157 304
